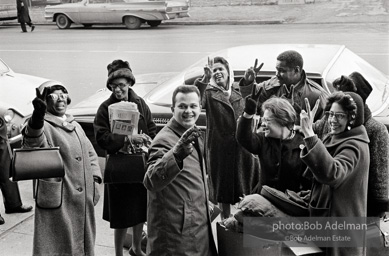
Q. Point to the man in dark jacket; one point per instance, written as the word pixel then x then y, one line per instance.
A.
pixel 178 215
pixel 24 15
pixel 10 190
pixel 290 82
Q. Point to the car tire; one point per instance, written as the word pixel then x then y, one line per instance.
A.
pixel 63 22
pixel 154 23
pixel 87 25
pixel 132 22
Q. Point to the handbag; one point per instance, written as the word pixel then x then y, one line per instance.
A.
pixel 125 168
pixel 36 163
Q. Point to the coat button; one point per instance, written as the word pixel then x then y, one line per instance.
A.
pixel 80 189
pixel 78 158
pixel 64 123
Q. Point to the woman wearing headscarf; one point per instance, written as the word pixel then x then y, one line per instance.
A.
pixel 125 205
pixel 64 213
pixel 233 171
pixel 340 178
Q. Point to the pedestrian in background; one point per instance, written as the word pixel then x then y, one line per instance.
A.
pixel 9 189
pixel 125 205
pixel 24 15
pixel 233 171
pixel 64 214
pixel 178 214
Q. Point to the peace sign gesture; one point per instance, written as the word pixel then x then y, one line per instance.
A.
pixel 208 71
pixel 39 102
pixel 306 118
pixel 251 73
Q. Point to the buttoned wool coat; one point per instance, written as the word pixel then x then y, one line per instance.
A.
pixel 23 13
pixel 178 220
pixel 233 170
pixel 64 213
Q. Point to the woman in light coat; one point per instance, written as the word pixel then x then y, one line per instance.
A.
pixel 64 214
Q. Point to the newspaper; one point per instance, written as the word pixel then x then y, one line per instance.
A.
pixel 123 118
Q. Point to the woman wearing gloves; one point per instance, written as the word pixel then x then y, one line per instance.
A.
pixel 64 213
pixel 233 171
pixel 125 205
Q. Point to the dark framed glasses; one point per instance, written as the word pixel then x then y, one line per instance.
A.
pixel 338 115
pixel 57 96
pixel 120 85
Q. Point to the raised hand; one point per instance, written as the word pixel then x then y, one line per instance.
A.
pixel 40 106
pixel 306 118
pixel 208 71
pixel 252 100
pixel 184 145
pixel 251 73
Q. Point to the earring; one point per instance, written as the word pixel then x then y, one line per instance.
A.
pixel 348 128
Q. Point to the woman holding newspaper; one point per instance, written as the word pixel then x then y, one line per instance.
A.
pixel 125 204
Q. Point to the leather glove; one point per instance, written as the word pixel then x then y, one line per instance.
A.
pixel 40 106
pixel 184 146
pixel 140 139
pixel 252 100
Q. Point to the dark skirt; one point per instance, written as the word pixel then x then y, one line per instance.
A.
pixel 125 205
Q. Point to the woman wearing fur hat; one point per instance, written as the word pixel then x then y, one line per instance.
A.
pixel 64 213
pixel 125 205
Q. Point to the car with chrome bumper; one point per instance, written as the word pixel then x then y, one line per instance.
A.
pixel 131 13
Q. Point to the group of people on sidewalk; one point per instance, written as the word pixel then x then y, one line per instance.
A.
pixel 189 173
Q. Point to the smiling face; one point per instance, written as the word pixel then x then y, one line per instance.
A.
pixel 287 75
pixel 271 127
pixel 120 87
pixel 337 119
pixel 186 109
pixel 220 74
pixel 57 103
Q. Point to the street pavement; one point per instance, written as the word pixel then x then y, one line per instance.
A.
pixel 16 235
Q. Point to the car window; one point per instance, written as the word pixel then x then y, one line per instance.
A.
pixel 349 62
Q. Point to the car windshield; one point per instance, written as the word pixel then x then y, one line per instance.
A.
pixel 3 68
pixel 349 62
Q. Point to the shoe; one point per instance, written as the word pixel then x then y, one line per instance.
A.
pixel 19 209
pixel 32 28
pixel 2 221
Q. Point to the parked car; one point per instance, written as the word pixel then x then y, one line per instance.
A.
pixel 322 63
pixel 131 13
pixel 16 94
pixel 8 10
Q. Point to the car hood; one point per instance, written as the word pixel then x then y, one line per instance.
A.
pixel 144 84
pixel 21 87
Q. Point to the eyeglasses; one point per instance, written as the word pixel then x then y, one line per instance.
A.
pixel 121 85
pixel 57 96
pixel 338 116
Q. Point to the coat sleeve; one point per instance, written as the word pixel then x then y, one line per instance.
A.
pixel 244 135
pixel 201 86
pixel 331 170
pixel 104 137
pixel 151 126
pixel 94 160
pixel 162 167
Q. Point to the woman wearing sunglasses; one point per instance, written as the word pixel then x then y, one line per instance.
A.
pixel 64 213
pixel 339 163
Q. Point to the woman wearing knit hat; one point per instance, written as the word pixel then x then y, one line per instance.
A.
pixel 125 205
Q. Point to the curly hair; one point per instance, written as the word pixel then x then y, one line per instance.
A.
pixel 282 110
pixel 291 58
pixel 345 101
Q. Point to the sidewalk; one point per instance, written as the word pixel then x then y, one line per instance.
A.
pixel 253 12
